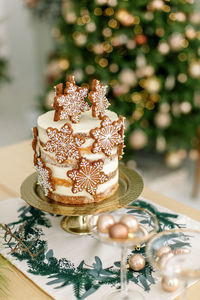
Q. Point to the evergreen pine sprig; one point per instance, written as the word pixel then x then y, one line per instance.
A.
pixel 85 279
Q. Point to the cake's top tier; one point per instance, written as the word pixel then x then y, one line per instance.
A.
pixel 86 123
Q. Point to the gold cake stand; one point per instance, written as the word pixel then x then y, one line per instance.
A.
pixel 76 216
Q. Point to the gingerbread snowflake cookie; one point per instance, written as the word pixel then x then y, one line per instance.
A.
pixel 107 136
pixel 63 143
pixel 71 103
pixel 35 145
pixel 45 179
pixel 88 176
pixel 121 132
pixel 98 99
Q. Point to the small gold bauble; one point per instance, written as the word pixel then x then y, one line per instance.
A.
pixel 136 262
pixel 182 250
pixel 118 231
pixel 163 250
pixel 170 284
pixel 130 221
pixel 104 222
pixel 164 259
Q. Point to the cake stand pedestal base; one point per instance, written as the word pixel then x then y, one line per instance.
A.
pixel 76 216
pixel 76 225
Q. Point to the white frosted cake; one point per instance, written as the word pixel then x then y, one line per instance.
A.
pixel 76 154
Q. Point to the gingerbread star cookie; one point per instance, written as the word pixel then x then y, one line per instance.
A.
pixel 107 136
pixel 63 143
pixel 71 103
pixel 98 99
pixel 45 179
pixel 88 176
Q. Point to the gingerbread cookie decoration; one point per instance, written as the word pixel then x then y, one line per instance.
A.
pixel 121 132
pixel 45 179
pixel 71 103
pixel 34 144
pixel 107 136
pixel 88 176
pixel 63 143
pixel 98 99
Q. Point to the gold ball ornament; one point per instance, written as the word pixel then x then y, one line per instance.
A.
pixel 127 76
pixel 104 222
pixel 170 284
pixel 118 231
pixel 163 250
pixel 131 222
pixel 124 17
pixel 194 69
pixel 162 120
pixel 136 262
pixel 152 85
pixel 176 41
pixel 138 139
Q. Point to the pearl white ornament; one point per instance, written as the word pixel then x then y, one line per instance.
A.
pixel 138 139
pixel 160 144
pixel 163 48
pixel 185 107
pixel 182 250
pixel 104 222
pixel 136 262
pixel 173 159
pixel 164 259
pixel 131 222
pixel 118 231
pixel 194 69
pixel 175 41
pixel 162 120
pixel 170 284
pixel 127 76
pixel 163 250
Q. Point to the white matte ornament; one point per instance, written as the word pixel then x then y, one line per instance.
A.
pixel 136 262
pixel 104 222
pixel 170 284
pixel 131 222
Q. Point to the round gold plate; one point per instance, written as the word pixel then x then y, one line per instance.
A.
pixel 130 187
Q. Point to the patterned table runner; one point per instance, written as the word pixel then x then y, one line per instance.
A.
pixel 71 267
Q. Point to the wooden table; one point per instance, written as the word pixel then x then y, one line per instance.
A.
pixel 16 165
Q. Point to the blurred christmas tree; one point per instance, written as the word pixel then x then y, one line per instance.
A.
pixel 148 52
